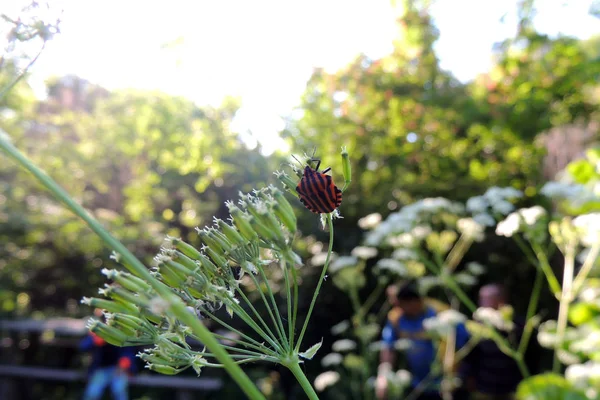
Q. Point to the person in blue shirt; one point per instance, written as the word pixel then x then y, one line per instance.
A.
pixel 405 321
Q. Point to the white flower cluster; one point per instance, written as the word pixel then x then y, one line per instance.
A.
pixel 581 374
pixel 404 254
pixel 574 193
pixel 475 268
pixel 492 317
pixel 332 359
pixel 444 322
pixel 326 379
pixel 369 221
pixel 343 262
pixel 412 220
pixel 343 345
pixel 522 219
pixel 364 252
pixel 340 327
pixel 588 226
pixel 394 266
pixel 495 200
pixel 471 229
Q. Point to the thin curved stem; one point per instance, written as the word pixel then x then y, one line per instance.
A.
pixel 531 308
pixel 267 331
pixel 565 300
pixel 268 307
pixel 321 279
pixel 547 268
pixel 273 302
pixel 288 301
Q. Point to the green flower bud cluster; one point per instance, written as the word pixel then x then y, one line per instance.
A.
pixel 206 278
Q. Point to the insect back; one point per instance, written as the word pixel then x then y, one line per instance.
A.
pixel 317 191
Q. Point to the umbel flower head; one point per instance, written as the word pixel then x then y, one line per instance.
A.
pixel 207 280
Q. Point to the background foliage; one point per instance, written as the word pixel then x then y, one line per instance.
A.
pixel 149 164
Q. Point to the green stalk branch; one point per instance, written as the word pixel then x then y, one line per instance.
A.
pixel 321 279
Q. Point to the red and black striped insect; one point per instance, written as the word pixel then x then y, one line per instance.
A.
pixel 317 191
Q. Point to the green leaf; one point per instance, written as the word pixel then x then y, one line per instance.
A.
pixel 582 171
pixel 310 353
pixel 548 387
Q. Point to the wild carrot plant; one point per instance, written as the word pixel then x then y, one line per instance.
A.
pixel 164 305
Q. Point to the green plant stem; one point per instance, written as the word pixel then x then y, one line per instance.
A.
pixel 273 302
pixel 268 307
pixel 302 380
pixel 241 343
pixel 449 282
pixel 250 322
pixel 321 279
pixel 531 308
pixel 295 310
pixel 364 309
pixel 177 307
pixel 225 325
pixel 586 268
pixel 267 330
pixel 547 268
pixel 565 300
pixel 289 301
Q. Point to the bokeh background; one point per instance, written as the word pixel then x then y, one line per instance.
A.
pixel 153 114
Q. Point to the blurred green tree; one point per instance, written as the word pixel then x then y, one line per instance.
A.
pixel 146 164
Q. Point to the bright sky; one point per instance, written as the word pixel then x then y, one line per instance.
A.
pixel 264 51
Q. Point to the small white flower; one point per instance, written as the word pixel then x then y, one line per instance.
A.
pixel 546 339
pixel 589 294
pixel 477 204
pixel 493 317
pixel 377 346
pixel 318 260
pixel 426 283
pixel 343 262
pixel 509 226
pixel 444 322
pixel 364 252
pixel 340 327
pixel 420 232
pixel 577 374
pixel 503 207
pixel 465 279
pixel 403 377
pixel 561 190
pixel 392 265
pixel 475 268
pixel 343 345
pixel 370 221
pixel 326 379
pixel 484 219
pixel 403 344
pixel 567 358
pixel 332 359
pixel 471 228
pixel 402 240
pixel 589 228
pixel 532 215
pixel 404 254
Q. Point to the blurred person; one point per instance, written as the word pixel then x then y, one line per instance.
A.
pixel 111 366
pixel 490 373
pixel 405 321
